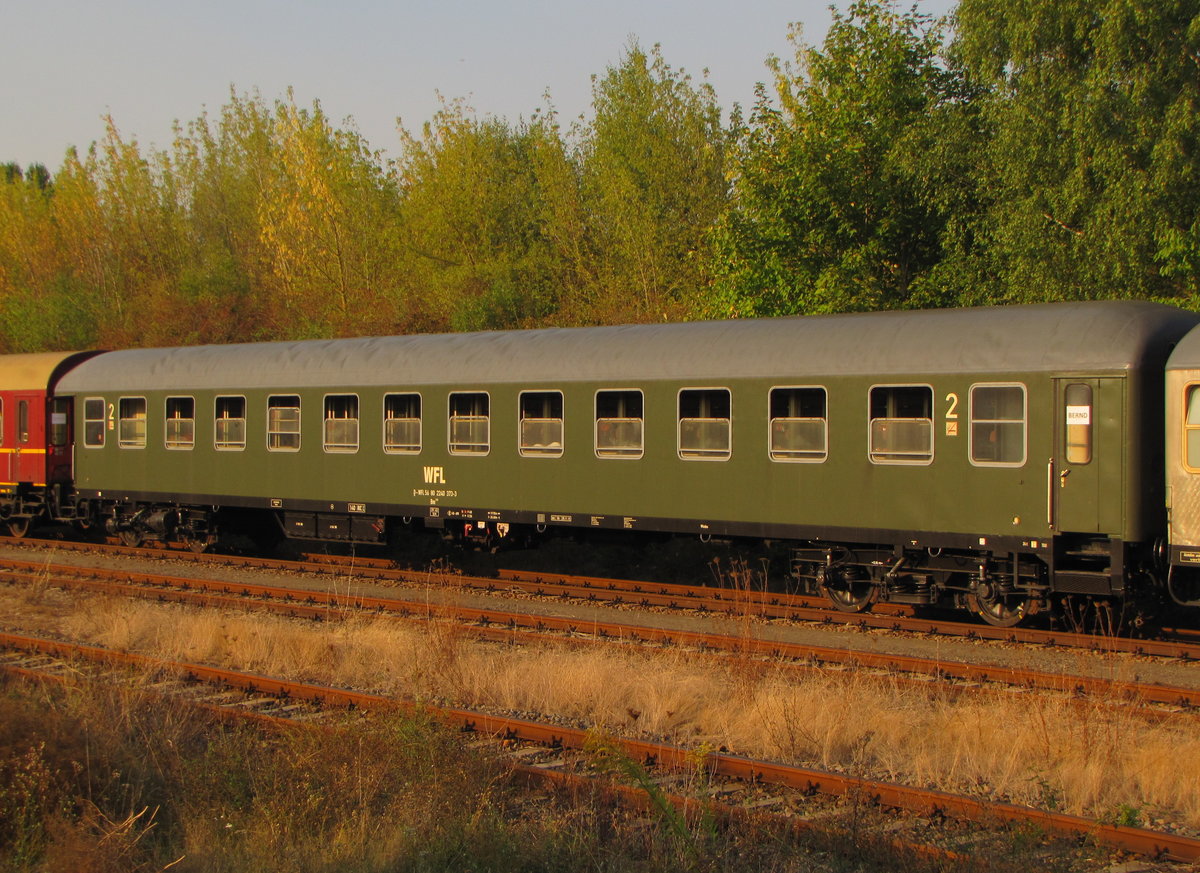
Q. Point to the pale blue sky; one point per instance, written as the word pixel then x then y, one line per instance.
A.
pixel 66 63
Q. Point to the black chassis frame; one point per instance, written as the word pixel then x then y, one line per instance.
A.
pixel 892 559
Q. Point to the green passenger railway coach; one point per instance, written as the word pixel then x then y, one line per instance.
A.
pixel 997 458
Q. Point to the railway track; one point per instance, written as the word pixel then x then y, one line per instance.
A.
pixel 1177 643
pixel 508 626
pixel 269 698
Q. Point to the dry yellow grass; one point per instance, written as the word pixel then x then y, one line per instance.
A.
pixel 1093 760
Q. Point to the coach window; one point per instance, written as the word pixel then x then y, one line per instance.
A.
pixel 1191 428
pixel 799 426
pixel 22 421
pixel 131 427
pixel 230 420
pixel 402 424
pixel 341 423
pixel 997 434
pixel 469 423
pixel 93 422
pixel 541 424
pixel 619 424
pixel 1 421
pixel 704 424
pixel 901 421
pixel 60 413
pixel 1079 423
pixel 181 422
pixel 283 423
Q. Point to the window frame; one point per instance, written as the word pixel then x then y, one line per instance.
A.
pixel 1183 423
pixel 545 451
pixel 450 416
pixel 23 429
pixel 103 420
pixel 1067 446
pixel 611 455
pixel 920 461
pixel 299 431
pixel 325 419
pixel 972 421
pixel 679 419
pixel 771 424
pixel 218 445
pixel 122 418
pixel 420 420
pixel 167 419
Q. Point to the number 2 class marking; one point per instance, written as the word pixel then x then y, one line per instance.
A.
pixel 952 411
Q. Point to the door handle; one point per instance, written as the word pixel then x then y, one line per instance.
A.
pixel 1062 478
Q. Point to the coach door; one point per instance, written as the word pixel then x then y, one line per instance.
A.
pixel 6 446
pixel 30 451
pixel 59 456
pixel 1085 478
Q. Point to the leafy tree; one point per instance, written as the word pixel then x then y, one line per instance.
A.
pixel 25 240
pixel 83 243
pixel 140 242
pixel 325 216
pixel 37 308
pixel 223 165
pixel 1089 173
pixel 652 164
pixel 37 174
pixel 490 218
pixel 828 213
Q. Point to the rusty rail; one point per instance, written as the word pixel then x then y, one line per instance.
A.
pixel 545 777
pixel 1146 842
pixel 324 604
pixel 766 605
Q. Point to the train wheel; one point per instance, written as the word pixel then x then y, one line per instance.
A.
pixel 19 526
pixel 998 608
pixel 847 592
pixel 199 543
pixel 131 538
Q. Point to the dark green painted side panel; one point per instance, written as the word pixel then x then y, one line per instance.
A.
pixel 950 495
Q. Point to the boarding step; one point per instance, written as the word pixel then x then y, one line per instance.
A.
pixel 1073 581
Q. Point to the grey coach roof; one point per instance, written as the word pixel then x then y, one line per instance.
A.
pixel 1106 335
pixel 1187 354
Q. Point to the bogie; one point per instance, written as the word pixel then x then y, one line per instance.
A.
pixel 1001 590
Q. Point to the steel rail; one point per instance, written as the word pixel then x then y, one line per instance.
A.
pixel 545 777
pixel 324 604
pixel 920 801
pixel 696 810
pixel 492 628
pixel 734 601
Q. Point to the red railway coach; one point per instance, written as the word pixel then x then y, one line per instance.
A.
pixel 35 436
